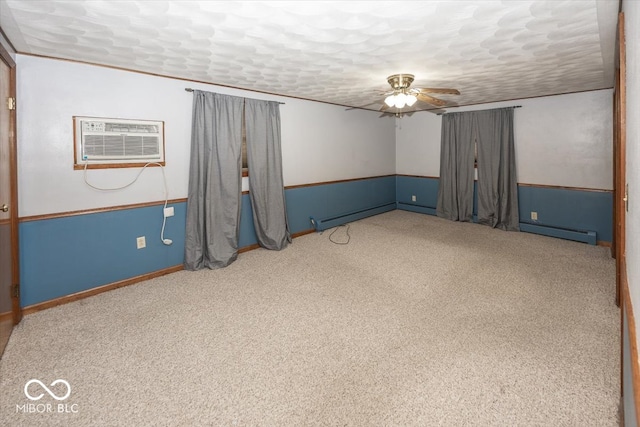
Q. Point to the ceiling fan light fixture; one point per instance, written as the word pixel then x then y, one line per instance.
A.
pixel 390 100
pixel 402 95
pixel 401 100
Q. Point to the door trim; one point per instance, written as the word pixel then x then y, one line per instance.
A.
pixel 13 152
pixel 620 158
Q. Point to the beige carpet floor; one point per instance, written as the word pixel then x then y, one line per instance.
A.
pixel 417 321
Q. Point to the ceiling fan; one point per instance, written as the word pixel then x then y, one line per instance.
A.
pixel 404 96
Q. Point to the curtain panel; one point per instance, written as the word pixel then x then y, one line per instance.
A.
pixel 264 159
pixel 497 182
pixel 490 132
pixel 213 206
pixel 455 192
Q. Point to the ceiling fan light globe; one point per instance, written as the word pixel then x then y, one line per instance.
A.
pixel 401 100
pixel 390 100
pixel 410 100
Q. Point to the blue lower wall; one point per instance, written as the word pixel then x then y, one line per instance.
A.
pixel 561 208
pixel 580 210
pixel 330 200
pixel 62 256
pixel 425 190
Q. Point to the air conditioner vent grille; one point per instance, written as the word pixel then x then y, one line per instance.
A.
pixel 120 141
pixel 130 128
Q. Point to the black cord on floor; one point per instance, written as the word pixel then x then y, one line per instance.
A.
pixel 348 235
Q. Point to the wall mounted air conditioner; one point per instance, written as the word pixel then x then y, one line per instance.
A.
pixel 118 141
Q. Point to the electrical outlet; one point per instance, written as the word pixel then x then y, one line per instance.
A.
pixel 413 198
pixel 534 216
pixel 141 242
pixel 168 212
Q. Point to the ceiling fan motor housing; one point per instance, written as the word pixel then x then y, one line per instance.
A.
pixel 400 81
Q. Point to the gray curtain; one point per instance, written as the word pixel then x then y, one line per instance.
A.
pixel 213 206
pixel 264 159
pixel 492 132
pixel 455 190
pixel 497 185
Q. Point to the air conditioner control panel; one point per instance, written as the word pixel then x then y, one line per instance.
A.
pixel 93 126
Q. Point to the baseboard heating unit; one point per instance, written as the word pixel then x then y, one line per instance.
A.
pixel 334 221
pixel 589 237
pixel 417 208
pixel 562 233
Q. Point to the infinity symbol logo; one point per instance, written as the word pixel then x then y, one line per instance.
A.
pixel 52 394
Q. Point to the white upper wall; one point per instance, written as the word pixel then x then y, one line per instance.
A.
pixel 418 144
pixel 320 142
pixel 560 140
pixel 323 142
pixel 563 140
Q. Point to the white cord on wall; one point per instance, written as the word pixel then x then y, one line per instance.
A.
pixel 166 193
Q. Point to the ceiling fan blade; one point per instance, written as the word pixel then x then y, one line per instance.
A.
pixel 384 107
pixel 431 100
pixel 439 90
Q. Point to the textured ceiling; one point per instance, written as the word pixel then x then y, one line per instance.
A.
pixel 338 52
